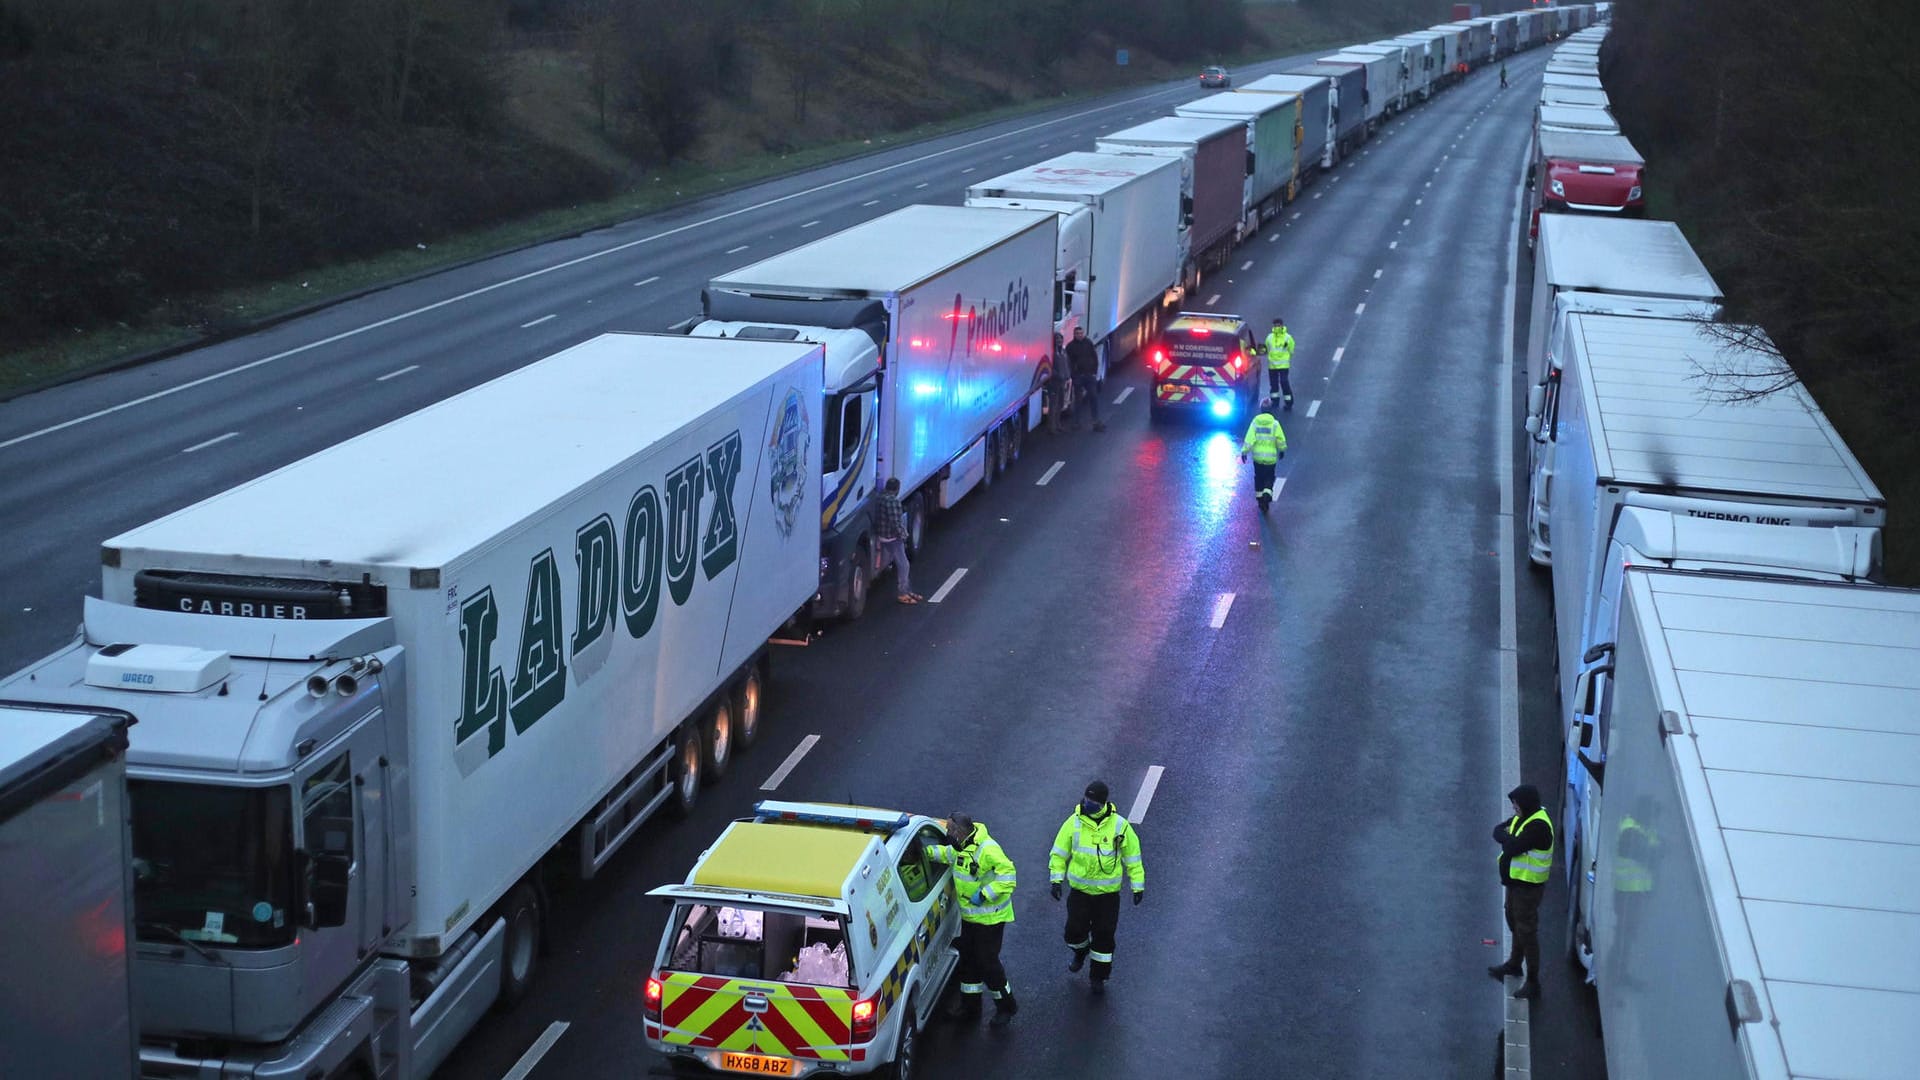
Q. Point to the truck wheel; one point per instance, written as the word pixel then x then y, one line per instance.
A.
pixel 992 467
pixel 716 740
pixel 916 515
pixel 683 772
pixel 1018 433
pixel 907 1047
pixel 520 951
pixel 857 584
pixel 746 710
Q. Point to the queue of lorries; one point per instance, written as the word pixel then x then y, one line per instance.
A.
pixel 365 721
pixel 1740 826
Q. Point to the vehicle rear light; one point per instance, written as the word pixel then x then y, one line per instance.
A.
pixel 1156 360
pixel 653 993
pixel 1239 363
pixel 1200 331
pixel 864 1015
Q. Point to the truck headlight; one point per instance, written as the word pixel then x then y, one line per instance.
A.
pixel 1558 188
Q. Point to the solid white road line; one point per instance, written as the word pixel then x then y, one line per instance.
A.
pixel 538 321
pixel 397 374
pixel 1124 395
pixel 1313 408
pixel 215 441
pixel 1212 300
pixel 811 224
pixel 780 774
pixel 1338 353
pixel 522 1068
pixel 952 580
pixel 1047 477
pixel 1221 605
pixel 1145 799
pixel 648 281
pixel 1517 1014
pixel 738 250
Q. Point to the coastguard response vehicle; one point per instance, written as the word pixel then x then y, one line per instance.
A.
pixel 811 939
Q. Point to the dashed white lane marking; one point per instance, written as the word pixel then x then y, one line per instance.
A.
pixel 1313 408
pixel 871 202
pixel 1341 351
pixel 1006 157
pixel 952 580
pixel 1044 145
pixel 787 766
pixel 538 321
pixel 1377 273
pixel 522 1068
pixel 1393 245
pixel 1317 194
pixel 1417 202
pixel 1275 238
pixel 1212 300
pixel 918 186
pixel 1404 222
pixel 1047 477
pixel 738 250
pixel 966 170
pixel 1248 265
pixel 1221 605
pixel 216 440
pixel 811 224
pixel 1296 215
pixel 1362 309
pixel 1124 395
pixel 1145 799
pixel 1280 485
pixel 646 281
pixel 397 374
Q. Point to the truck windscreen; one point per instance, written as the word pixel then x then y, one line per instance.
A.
pixel 213 864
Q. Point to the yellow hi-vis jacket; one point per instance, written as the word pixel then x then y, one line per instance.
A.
pixel 1279 348
pixel 1089 854
pixel 1265 441
pixel 1533 866
pixel 982 877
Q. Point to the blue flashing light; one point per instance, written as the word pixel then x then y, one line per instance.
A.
pixel 1222 407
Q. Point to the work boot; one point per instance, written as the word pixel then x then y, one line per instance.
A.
pixel 1003 1009
pixel 1528 991
pixel 1505 971
pixel 964 1008
pixel 1079 961
pixel 1099 988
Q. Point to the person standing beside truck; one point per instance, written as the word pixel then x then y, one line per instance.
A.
pixel 1084 360
pixel 983 879
pixel 1057 384
pixel 1280 362
pixel 1266 442
pixel 1092 852
pixel 1503 74
pixel 1526 860
pixel 890 528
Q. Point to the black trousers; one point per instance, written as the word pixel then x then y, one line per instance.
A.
pixel 1262 481
pixel 980 968
pixel 1279 384
pixel 1086 388
pixel 1091 921
pixel 1523 918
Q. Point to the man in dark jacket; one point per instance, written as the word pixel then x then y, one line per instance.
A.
pixel 1526 860
pixel 1084 361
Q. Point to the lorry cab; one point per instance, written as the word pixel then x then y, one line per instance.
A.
pixel 810 939
pixel 1205 362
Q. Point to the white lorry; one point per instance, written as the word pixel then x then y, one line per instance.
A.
pixel 66 911
pixel 938 329
pixel 381 690
pixel 1383 83
pixel 1755 906
pixel 1635 422
pixel 1123 241
pixel 1213 158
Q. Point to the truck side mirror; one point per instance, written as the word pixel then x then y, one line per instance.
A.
pixel 1536 401
pixel 327 888
pixel 1533 423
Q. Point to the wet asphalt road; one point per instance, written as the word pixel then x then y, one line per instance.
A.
pixel 1321 887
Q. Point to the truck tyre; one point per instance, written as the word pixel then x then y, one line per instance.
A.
pixel 907 1047
pixel 1018 430
pixel 520 951
pixel 716 739
pixel 683 775
pixel 857 584
pixel 916 515
pixel 746 709
pixel 992 467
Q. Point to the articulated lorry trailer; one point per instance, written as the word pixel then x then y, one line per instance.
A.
pixel 1273 124
pixel 382 692
pixel 1123 241
pixel 1318 136
pixel 1213 180
pixel 66 911
pixel 937 323
pixel 1755 900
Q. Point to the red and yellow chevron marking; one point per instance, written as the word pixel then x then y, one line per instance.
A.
pixel 800 1021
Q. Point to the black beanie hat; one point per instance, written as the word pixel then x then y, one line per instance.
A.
pixel 1097 791
pixel 1526 797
